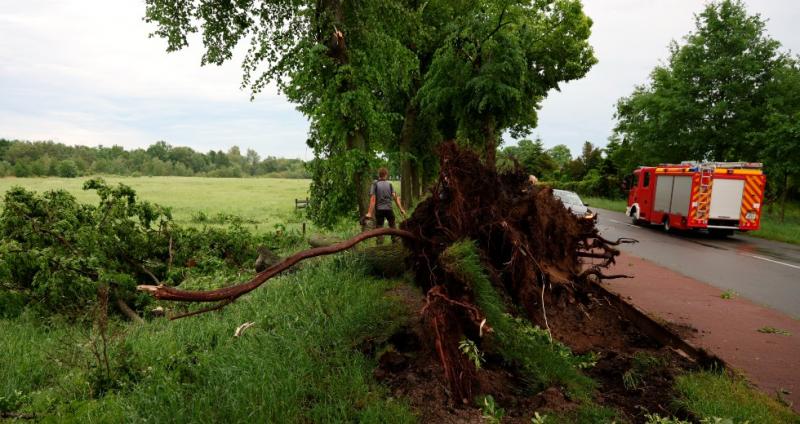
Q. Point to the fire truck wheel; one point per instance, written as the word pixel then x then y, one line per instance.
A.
pixel 635 217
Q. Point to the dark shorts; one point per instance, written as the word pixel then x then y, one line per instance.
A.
pixel 380 215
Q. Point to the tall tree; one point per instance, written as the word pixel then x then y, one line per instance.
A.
pixel 531 156
pixel 708 100
pixel 500 60
pixel 561 155
pixel 782 150
pixel 338 61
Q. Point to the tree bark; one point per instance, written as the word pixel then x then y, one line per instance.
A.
pixel 416 188
pixel 229 294
pixel 490 138
pixel 357 141
pixel 406 173
pixel 127 311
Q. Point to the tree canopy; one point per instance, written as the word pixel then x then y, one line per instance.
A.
pixel 388 77
pixel 726 94
pixel 707 101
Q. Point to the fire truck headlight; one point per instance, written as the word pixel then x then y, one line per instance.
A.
pixel 751 216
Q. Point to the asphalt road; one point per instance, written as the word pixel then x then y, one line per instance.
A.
pixel 763 271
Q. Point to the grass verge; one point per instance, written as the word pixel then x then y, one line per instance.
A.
pixel 710 395
pixel 616 205
pixel 300 362
pixel 772 228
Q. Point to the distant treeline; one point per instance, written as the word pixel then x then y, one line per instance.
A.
pixel 46 158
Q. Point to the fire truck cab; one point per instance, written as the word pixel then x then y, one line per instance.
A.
pixel 717 196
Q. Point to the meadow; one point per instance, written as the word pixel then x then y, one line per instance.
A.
pixel 300 362
pixel 261 202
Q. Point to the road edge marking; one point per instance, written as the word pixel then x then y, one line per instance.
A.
pixel 773 261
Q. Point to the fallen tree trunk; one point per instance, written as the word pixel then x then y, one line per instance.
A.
pixel 319 240
pixel 386 260
pixel 526 241
pixel 229 294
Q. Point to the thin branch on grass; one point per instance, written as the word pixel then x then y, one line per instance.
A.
pixel 219 305
pixel 127 311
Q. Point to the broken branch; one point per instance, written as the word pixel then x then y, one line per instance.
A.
pixel 228 294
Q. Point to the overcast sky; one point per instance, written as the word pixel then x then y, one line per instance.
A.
pixel 85 72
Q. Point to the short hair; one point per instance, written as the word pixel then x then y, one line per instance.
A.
pixel 383 172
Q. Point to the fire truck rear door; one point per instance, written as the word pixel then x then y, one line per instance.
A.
pixel 726 198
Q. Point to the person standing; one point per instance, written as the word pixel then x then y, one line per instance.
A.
pixel 381 194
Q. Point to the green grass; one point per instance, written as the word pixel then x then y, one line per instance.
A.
pixel 710 394
pixel 264 202
pixel 603 203
pixel 299 363
pixel 772 228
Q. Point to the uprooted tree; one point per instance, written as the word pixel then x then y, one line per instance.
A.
pixel 524 238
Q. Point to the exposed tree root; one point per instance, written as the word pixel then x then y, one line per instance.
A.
pixel 527 240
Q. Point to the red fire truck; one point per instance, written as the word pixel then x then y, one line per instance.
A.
pixel 720 196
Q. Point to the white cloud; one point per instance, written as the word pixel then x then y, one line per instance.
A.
pixel 85 72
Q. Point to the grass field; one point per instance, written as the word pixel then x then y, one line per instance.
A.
pixel 772 228
pixel 300 362
pixel 263 202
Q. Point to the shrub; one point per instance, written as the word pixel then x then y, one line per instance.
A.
pixel 56 253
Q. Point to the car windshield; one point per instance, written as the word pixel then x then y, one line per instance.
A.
pixel 568 197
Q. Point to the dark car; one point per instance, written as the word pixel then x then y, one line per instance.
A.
pixel 573 202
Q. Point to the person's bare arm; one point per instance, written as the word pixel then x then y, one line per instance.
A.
pixel 399 205
pixel 371 206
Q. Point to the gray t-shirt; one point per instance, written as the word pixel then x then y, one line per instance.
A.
pixel 382 190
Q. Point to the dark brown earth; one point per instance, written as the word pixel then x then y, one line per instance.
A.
pixel 409 366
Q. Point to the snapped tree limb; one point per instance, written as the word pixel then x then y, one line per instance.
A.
pixel 228 294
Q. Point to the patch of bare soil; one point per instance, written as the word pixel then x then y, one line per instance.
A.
pixel 409 365
pixel 634 372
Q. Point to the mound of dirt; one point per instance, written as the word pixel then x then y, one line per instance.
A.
pixel 528 241
pixel 409 365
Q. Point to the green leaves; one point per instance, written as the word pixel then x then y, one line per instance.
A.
pixel 56 252
pixel 501 59
pixel 708 102
pixel 355 68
